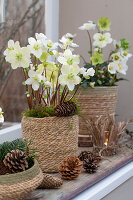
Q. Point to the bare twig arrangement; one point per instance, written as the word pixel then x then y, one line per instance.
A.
pixel 106 133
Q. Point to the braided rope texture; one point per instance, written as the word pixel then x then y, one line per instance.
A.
pixel 54 137
pixel 95 102
pixel 22 183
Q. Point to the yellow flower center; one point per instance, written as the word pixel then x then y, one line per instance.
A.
pixel 70 76
pixel 36 47
pixel 111 67
pixel 19 57
pixel 125 53
pixel 116 57
pixel 120 67
pixel 102 38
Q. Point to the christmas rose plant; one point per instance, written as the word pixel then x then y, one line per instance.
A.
pixel 50 75
pixel 104 72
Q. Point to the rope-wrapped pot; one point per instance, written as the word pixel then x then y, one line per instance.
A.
pixel 95 102
pixel 54 137
pixel 18 186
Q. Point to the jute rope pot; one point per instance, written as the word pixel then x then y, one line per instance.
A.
pixel 18 186
pixel 95 102
pixel 54 137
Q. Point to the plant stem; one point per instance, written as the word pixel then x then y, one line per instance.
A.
pixel 90 43
pixel 113 80
pixel 75 92
pixel 29 100
pixel 83 59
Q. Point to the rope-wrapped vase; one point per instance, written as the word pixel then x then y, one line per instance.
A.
pixel 18 186
pixel 95 102
pixel 54 137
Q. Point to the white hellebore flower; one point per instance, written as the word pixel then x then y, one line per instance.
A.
pixel 66 42
pixel 47 84
pixel 126 55
pixel 116 44
pixel 69 76
pixel 69 35
pixel 11 46
pixel 82 70
pixel 112 67
pixel 88 26
pixel 89 72
pixel 101 40
pixel 34 79
pixel 68 58
pixel 20 57
pixel 116 57
pixel 56 53
pixel 122 68
pixel 48 44
pixel 40 36
pixel 1 116
pixel 36 47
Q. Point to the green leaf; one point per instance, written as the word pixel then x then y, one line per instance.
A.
pixel 45 96
pixel 51 53
pixel 44 57
pixel 99 82
pixel 42 82
pixel 26 69
pixel 84 84
pixel 124 44
pixel 89 52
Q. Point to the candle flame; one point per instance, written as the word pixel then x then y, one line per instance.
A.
pixel 106 142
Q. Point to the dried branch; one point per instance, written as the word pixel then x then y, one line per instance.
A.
pixel 14 29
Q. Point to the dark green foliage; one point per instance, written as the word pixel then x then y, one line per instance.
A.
pixel 124 44
pixel 39 112
pixel 23 145
pixel 102 76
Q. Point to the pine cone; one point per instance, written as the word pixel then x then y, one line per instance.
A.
pixel 89 155
pixel 16 161
pixel 90 165
pixel 50 182
pixel 70 168
pixel 90 161
pixel 84 155
pixel 65 109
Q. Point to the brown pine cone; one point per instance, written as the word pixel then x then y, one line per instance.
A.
pixel 50 182
pixel 70 168
pixel 90 166
pixel 84 155
pixel 89 155
pixel 16 161
pixel 4 170
pixel 90 161
pixel 65 109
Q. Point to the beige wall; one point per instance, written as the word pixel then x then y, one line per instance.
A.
pixel 74 13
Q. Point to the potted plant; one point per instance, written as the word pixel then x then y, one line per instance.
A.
pixel 51 121
pixel 98 91
pixel 19 171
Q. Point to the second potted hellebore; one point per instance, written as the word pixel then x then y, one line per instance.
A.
pixel 100 75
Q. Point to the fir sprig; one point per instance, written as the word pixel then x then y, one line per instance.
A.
pixel 23 145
